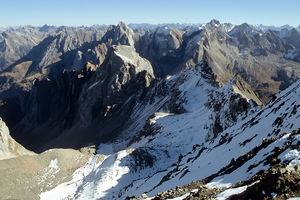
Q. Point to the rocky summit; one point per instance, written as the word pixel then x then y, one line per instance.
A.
pixel 139 111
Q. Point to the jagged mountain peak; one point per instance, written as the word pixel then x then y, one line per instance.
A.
pixel 122 25
pixel 46 28
pixel 115 84
pixel 214 22
pixel 245 28
pixel 166 30
pixel 130 56
pixel 119 35
pixel 167 37
pixel 53 52
pixel 292 33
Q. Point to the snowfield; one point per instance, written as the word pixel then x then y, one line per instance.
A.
pixel 182 147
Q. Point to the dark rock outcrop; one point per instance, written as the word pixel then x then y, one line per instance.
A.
pixel 80 100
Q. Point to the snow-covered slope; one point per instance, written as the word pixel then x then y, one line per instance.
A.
pixel 214 136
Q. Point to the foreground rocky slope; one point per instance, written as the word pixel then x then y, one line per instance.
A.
pixel 173 149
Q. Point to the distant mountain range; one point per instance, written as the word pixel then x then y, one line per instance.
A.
pixel 167 111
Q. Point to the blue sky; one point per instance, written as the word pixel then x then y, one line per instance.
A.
pixel 89 12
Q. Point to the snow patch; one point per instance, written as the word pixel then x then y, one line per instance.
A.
pixel 53 164
pixel 49 172
pixel 229 192
pixel 292 156
pixel 159 115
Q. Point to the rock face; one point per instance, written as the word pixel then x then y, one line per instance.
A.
pixel 108 97
pixel 162 48
pixel 50 103
pixel 123 74
pixel 79 100
pixel 244 89
pixel 9 148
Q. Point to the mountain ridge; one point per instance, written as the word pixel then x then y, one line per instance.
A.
pixel 210 108
pixel 259 58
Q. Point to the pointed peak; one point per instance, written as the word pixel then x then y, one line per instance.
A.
pixel 122 25
pixel 214 22
pixel 244 25
pixel 245 28
pixel 294 31
pixel 45 28
pixel 119 34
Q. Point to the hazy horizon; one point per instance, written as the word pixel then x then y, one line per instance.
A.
pixel 92 12
pixel 154 24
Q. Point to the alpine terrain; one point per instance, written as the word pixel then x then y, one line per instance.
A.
pixel 141 111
